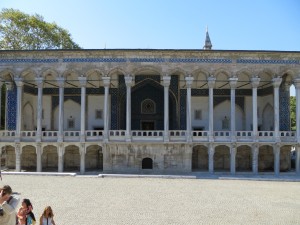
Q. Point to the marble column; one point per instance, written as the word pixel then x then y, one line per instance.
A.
pixel 19 83
pixel 61 152
pixel 255 150
pixel 82 82
pixel 232 83
pixel 166 83
pixel 255 82
pixel 18 151
pixel 39 152
pixel 61 84
pixel 211 152
pixel 1 84
pixel 128 82
pixel 297 147
pixel 39 83
pixel 106 83
pixel 276 84
pixel 297 160
pixel 232 159
pixel 82 152
pixel 276 152
pixel 189 81
pixel 211 83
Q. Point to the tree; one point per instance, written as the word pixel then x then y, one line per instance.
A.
pixel 20 31
pixel 293 112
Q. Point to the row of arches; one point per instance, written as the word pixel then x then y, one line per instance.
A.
pixel 49 158
pixel 243 158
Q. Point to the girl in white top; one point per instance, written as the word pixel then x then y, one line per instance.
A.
pixel 47 217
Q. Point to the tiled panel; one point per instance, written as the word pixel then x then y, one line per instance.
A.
pixel 284 110
pixel 183 109
pixel 12 108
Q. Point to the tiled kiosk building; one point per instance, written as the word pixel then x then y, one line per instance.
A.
pixel 154 111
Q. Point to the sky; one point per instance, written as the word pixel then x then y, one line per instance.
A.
pixel 173 24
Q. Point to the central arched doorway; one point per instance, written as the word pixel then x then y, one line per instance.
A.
pixel 147 163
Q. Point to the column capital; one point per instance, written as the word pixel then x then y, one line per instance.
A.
pixel 189 81
pixel 60 81
pixel 166 81
pixel 255 82
pixel 82 81
pixel 128 80
pixel 19 81
pixel 39 81
pixel 106 81
pixel 276 82
pixel 233 82
pixel 211 81
pixel 297 83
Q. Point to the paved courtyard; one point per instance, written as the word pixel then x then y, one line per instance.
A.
pixel 99 201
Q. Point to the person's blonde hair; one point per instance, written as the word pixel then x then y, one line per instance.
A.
pixel 50 214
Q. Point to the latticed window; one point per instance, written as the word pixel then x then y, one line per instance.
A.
pixel 198 114
pixel 71 123
pixel 148 106
pixel 98 114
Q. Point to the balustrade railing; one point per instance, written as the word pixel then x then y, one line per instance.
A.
pixel 152 135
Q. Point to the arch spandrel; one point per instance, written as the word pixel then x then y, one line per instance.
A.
pixel 7 75
pixel 147 70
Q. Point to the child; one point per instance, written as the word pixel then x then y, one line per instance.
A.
pixel 47 217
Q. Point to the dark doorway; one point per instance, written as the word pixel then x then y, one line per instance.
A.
pixel 147 163
pixel 148 125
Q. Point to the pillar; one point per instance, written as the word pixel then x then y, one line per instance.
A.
pixel 39 152
pixel 61 83
pixel 19 83
pixel 82 81
pixel 276 151
pixel 297 160
pixel 61 152
pixel 106 83
pixel 255 83
pixel 211 83
pixel 82 158
pixel 128 82
pixel 276 83
pixel 18 151
pixel 39 83
pixel 189 80
pixel 232 82
pixel 166 83
pixel 211 152
pixel 232 159
pixel 255 150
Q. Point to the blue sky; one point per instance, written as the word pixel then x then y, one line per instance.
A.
pixel 173 24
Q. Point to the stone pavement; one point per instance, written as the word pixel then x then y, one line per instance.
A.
pixel 93 200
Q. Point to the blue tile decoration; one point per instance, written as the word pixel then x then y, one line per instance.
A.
pixel 266 61
pixel 183 109
pixel 55 100
pixel 79 60
pixel 114 108
pixel 284 109
pixel 152 60
pixel 240 101
pixel 11 108
pixel 265 91
pixel 140 78
pixel 198 60
pixel 30 90
pixel 28 60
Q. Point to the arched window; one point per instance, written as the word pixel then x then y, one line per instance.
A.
pixel 148 106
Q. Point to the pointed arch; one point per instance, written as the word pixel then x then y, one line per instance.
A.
pixel 28 116
pixel 268 118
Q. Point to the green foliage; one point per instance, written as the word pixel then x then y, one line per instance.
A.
pixel 20 31
pixel 293 112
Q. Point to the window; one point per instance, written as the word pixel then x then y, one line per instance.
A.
pixel 225 123
pixel 71 123
pixel 99 114
pixel 148 106
pixel 198 114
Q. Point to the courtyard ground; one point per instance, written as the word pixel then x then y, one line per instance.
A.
pixel 90 200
